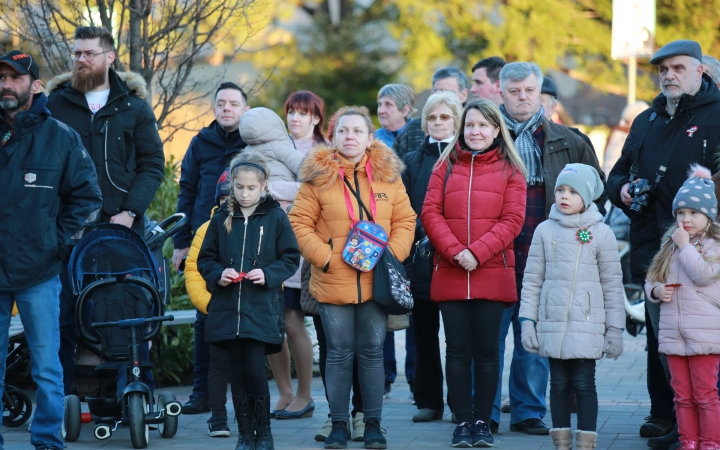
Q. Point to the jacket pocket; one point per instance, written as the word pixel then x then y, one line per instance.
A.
pixel 544 302
pixel 554 245
pixel 712 301
pixel 504 258
pixel 588 305
pixel 41 176
pixel 130 164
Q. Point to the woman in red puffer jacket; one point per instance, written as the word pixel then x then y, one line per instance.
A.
pixel 472 221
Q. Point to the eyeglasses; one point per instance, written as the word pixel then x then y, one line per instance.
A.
pixel 443 117
pixel 89 56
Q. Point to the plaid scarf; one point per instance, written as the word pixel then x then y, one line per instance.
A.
pixel 527 147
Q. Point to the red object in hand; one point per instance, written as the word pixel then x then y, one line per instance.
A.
pixel 674 285
pixel 240 277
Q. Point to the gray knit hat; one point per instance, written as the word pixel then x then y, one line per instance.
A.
pixel 697 193
pixel 584 179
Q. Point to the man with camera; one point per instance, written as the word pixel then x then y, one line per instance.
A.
pixel 681 127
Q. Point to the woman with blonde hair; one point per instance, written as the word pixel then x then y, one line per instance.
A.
pixel 366 173
pixel 440 121
pixel 472 220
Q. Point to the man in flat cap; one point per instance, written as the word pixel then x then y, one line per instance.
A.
pixel 50 190
pixel 682 127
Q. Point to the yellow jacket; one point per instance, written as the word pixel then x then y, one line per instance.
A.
pixel 319 216
pixel 194 282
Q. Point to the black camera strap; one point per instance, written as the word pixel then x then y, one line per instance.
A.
pixel 663 166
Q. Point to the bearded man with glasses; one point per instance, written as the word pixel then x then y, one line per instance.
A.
pixel 111 113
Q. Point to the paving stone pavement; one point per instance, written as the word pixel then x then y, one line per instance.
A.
pixel 622 393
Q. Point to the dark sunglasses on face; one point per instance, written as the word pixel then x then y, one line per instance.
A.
pixel 443 117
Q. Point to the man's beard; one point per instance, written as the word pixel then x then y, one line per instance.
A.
pixel 11 105
pixel 87 81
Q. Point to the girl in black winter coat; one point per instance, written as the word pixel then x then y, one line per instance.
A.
pixel 248 251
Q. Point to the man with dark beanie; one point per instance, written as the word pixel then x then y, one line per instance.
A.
pixel 207 157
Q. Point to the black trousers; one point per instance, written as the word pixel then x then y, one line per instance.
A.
pixel 247 367
pixel 218 375
pixel 428 382
pixel 661 394
pixel 472 331
pixel 356 400
pixel 567 375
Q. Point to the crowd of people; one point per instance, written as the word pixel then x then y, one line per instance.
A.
pixel 278 231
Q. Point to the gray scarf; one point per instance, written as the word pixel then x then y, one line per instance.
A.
pixel 528 148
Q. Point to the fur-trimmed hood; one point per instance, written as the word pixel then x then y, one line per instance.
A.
pixel 134 83
pixel 321 165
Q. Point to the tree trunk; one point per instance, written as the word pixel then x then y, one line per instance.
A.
pixel 135 36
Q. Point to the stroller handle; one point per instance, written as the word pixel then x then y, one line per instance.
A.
pixel 94 286
pixel 127 323
pixel 170 226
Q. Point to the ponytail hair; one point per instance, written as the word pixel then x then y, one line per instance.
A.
pixel 248 161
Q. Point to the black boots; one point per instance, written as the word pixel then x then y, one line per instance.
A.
pixel 261 423
pixel 246 439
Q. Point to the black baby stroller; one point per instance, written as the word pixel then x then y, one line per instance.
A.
pixel 120 288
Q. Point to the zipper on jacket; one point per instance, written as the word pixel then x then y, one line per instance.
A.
pixel 472 167
pixel 107 170
pixel 242 259
pixel 707 297
pixel 588 305
pixel 357 189
pixel 437 262
pixel 504 258
pixel 554 253
pixel 260 244
pixel 572 296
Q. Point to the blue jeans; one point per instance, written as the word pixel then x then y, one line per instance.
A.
pixel 202 358
pixel 39 308
pixel 529 374
pixel 389 362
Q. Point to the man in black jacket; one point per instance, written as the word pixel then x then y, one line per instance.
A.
pixel 50 191
pixel 109 111
pixel 682 127
pixel 207 157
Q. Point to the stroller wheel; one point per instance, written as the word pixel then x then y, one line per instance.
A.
pixel 169 427
pixel 139 430
pixel 17 407
pixel 72 419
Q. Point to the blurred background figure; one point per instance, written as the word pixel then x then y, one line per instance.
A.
pixel 619 132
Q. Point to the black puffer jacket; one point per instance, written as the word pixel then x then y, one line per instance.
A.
pixel 416 177
pixel 49 190
pixel 693 136
pixel 263 241
pixel 122 139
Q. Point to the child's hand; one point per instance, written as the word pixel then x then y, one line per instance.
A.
pixel 680 237
pixel 613 343
pixel 664 293
pixel 227 277
pixel 257 276
pixel 529 336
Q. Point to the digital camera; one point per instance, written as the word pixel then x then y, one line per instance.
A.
pixel 640 192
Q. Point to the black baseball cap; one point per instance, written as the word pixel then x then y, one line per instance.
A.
pixel 23 63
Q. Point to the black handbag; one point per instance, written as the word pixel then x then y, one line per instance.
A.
pixel 424 250
pixel 391 287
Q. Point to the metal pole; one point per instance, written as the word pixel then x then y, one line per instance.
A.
pixel 632 78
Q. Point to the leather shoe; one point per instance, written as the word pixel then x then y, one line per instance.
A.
pixel 656 427
pixel 533 426
pixel 664 442
pixel 427 415
pixel 494 427
pixel 307 411
pixel 197 404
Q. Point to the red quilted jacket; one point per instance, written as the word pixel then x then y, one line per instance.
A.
pixel 484 212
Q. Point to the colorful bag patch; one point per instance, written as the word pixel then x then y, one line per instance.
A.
pixel 365 245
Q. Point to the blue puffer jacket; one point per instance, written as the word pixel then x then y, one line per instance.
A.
pixel 50 189
pixel 203 163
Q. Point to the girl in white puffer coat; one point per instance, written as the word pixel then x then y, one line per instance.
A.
pixel 572 309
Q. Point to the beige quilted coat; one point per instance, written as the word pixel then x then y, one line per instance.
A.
pixel 573 291
pixel 690 321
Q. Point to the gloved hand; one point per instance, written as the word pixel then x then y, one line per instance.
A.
pixel 529 336
pixel 613 346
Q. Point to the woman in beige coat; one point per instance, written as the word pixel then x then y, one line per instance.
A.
pixel 573 307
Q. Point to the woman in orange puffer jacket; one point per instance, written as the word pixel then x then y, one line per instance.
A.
pixel 353 323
